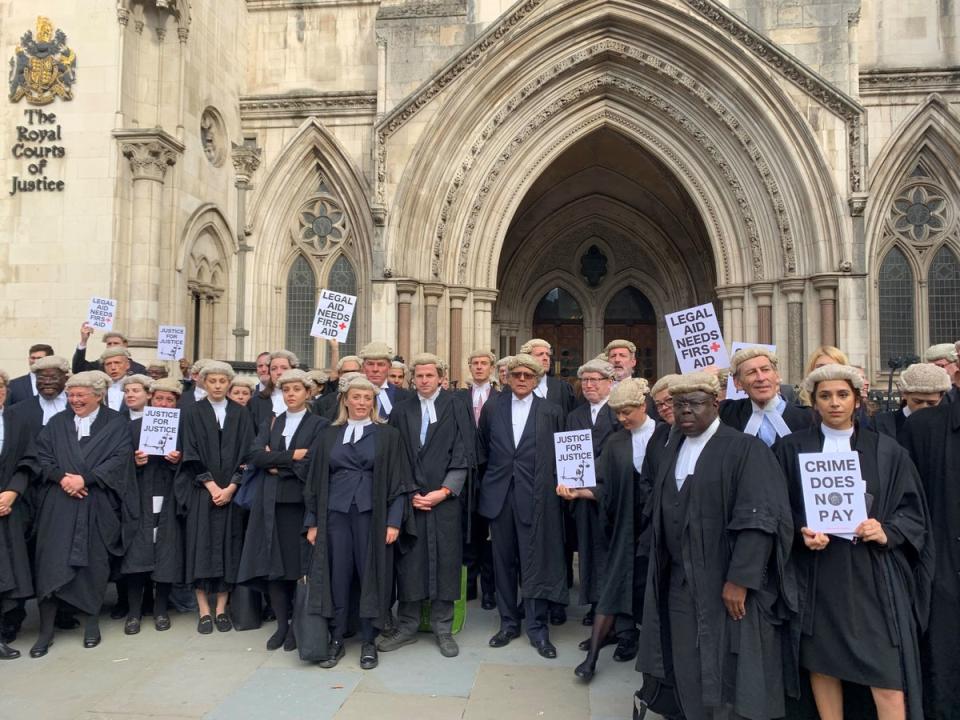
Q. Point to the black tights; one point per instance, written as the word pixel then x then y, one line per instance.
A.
pixel 136 585
pixel 281 598
pixel 48 614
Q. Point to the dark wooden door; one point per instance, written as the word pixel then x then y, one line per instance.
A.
pixel 644 336
pixel 567 341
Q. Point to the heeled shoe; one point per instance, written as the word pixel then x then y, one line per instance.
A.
pixel 586 670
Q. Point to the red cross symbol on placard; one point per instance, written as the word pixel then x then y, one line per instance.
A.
pixel 342 325
pixel 715 347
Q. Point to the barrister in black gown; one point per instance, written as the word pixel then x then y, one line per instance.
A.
pixel 18 464
pixel 719 588
pixel 932 437
pixel 377 360
pixel 216 435
pixel 596 380
pixel 155 552
pixel 268 403
pixel 111 339
pixel 274 548
pixel 439 441
pixel 517 493
pixel 355 498
pixel 242 389
pixel 764 413
pixel 621 492
pixel 922 386
pixel 88 507
pixel 860 602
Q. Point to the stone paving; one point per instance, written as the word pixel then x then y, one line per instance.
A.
pixel 231 676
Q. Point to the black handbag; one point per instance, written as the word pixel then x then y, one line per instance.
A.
pixel 246 608
pixel 656 695
pixel 311 631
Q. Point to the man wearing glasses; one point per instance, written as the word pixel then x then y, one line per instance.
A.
pixel 722 532
pixel 517 494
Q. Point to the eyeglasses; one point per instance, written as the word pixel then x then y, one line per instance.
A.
pixel 692 404
pixel 663 404
pixel 522 375
pixel 593 381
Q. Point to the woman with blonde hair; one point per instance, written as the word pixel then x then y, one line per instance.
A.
pixel 355 497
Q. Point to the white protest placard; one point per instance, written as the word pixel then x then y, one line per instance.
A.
pixel 158 433
pixel 697 340
pixel 573 452
pixel 333 316
pixel 101 313
pixel 834 493
pixel 732 392
pixel 171 340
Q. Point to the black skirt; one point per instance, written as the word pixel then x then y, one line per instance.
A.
pixel 293 546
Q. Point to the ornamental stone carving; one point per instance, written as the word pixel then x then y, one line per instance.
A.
pixel 921 214
pixel 322 222
pixel 149 160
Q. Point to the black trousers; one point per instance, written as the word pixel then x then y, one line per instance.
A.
pixel 347 537
pixel 509 538
pixel 478 555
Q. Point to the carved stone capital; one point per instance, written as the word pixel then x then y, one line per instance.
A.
pixel 246 160
pixel 432 292
pixel 406 289
pixel 123 16
pixel 763 292
pixel 730 292
pixel 793 289
pixel 150 152
pixel 857 203
pixel 457 294
pixel 183 33
pixel 483 296
pixel 826 286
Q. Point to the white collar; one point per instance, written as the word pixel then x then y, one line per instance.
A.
pixel 429 403
pixel 772 411
pixel 482 388
pixel 295 415
pixel 135 414
pixel 541 388
pixel 836 440
pixel 354 430
pixel 52 407
pixel 907 412
pixel 83 424
pixel 292 423
pixel 690 451
pixel 597 407
pixel 523 401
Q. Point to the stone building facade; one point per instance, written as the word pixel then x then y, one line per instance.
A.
pixel 478 171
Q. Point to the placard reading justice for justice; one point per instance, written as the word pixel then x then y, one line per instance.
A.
pixel 697 340
pixel 333 316
pixel 171 340
pixel 573 452
pixel 158 432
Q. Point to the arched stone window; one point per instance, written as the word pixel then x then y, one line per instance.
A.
pixel 343 279
pixel 558 319
pixel 301 304
pixel 897 318
pixel 943 296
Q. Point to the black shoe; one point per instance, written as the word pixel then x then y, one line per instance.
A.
pixel 503 638
pixel 489 601
pixel 290 644
pixel 627 648
pixel 588 618
pixel 368 656
pixel 277 639
pixel 161 622
pixel 608 640
pixel 336 654
pixel 545 648
pixel 40 648
pixel 205 625
pixel 8 653
pixel 558 615
pixel 586 670
pixel 91 641
pixel 223 623
pixel 131 626
pixel 119 611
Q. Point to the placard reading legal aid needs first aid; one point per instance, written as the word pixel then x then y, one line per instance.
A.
pixel 834 493
pixel 696 338
pixel 333 316
pixel 158 432
pixel 101 313
pixel 573 452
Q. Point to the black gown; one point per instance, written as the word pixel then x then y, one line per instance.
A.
pixel 18 465
pixel 274 547
pixel 932 437
pixel 213 535
pixel 391 479
pixel 157 544
pixel 77 536
pixel 859 610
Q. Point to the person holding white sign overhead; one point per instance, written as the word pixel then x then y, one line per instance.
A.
pixel 763 413
pixel 860 599
pixel 110 339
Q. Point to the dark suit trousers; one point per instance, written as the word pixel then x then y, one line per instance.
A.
pixel 478 556
pixel 347 538
pixel 509 538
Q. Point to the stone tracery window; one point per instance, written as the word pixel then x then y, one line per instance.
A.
pixel 343 279
pixel 943 297
pixel 896 289
pixel 301 304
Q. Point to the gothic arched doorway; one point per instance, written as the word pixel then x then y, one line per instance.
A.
pixel 558 319
pixel 630 316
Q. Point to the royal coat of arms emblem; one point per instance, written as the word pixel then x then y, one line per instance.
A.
pixel 43 67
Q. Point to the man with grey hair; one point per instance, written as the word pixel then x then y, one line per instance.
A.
pixel 622 355
pixel 921 386
pixel 377 358
pixel 439 440
pixel 111 338
pixel 551 389
pixel 116 364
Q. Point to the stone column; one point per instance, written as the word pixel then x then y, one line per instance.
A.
pixel 455 360
pixel 483 320
pixel 432 292
pixel 161 35
pixel 763 292
pixel 793 289
pixel 150 153
pixel 406 289
pixel 246 160
pixel 732 299
pixel 182 34
pixel 826 287
pixel 123 18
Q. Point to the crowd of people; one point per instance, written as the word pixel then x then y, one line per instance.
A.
pixel 371 488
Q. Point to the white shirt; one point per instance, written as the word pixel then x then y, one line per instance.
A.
pixel 276 397
pixel 135 414
pixel 641 436
pixel 83 424
pixel 33 383
pixel 520 411
pixel 384 399
pixel 52 407
pixel 541 389
pixel 428 404
pixel 2 429
pixel 480 393
pixel 595 410
pixel 354 430
pixel 690 452
pixel 199 393
pixel 291 425
pixel 220 410
pixel 907 412
pixel 115 396
pixel 836 440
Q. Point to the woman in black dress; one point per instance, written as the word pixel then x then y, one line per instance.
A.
pixel 860 599
pixel 273 548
